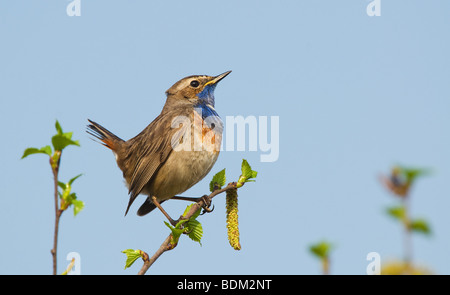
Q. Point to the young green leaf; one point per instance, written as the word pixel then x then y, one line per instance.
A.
pixel 61 141
pixel 58 127
pixel 193 227
pixel 68 198
pixel 398 212
pixel 218 180
pixel 410 174
pixel 247 174
pixel 421 226
pixel 176 231
pixel 77 206
pixel 246 169
pixel 62 185
pixel 132 256
pixel 321 249
pixel 195 230
pixel 44 150
pixel 60 131
pixel 73 179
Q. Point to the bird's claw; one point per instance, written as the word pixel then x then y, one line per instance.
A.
pixel 206 205
pixel 207 210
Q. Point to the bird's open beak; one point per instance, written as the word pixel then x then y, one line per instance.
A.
pixel 218 78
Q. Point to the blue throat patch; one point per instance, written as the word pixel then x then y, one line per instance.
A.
pixel 207 94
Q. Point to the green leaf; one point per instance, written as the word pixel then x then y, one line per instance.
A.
pixel 73 179
pixel 218 180
pixel 176 231
pixel 47 150
pixel 321 249
pixel 421 226
pixel 68 186
pixel 65 194
pixel 62 185
pixel 410 174
pixel 68 135
pixel 398 212
pixel 70 198
pixel 193 227
pixel 44 150
pixel 195 230
pixel 58 128
pixel 247 174
pixel 246 169
pixel 132 256
pixel 77 206
pixel 61 141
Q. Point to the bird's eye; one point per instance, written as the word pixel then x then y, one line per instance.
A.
pixel 195 83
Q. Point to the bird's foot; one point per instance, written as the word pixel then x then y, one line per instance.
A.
pixel 206 204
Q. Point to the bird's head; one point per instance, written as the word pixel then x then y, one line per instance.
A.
pixel 196 89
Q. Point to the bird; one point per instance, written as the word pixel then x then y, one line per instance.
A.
pixel 176 150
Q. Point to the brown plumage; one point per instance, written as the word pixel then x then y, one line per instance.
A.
pixel 160 161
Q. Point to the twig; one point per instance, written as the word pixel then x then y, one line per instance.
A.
pixel 407 236
pixel 58 212
pixel 326 265
pixel 148 262
pixel 165 246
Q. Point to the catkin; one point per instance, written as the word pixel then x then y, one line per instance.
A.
pixel 232 218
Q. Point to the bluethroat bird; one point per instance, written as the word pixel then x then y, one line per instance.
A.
pixel 176 150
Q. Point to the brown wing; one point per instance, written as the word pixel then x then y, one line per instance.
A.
pixel 149 150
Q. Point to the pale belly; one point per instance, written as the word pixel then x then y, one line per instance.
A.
pixel 180 172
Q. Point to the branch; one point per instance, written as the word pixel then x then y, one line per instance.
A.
pixel 148 262
pixel 166 245
pixel 55 169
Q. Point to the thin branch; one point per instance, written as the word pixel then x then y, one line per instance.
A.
pixel 407 235
pixel 326 265
pixel 148 262
pixel 165 246
pixel 58 212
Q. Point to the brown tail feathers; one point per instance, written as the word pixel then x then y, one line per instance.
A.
pixel 104 135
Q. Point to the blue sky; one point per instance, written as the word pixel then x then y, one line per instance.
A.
pixel 354 95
